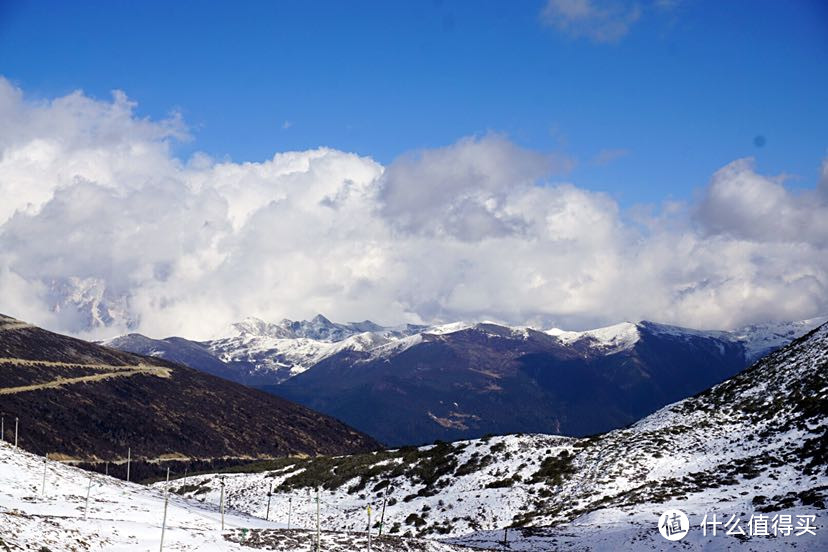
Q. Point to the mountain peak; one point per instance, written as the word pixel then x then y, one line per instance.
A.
pixel 610 339
pixel 321 320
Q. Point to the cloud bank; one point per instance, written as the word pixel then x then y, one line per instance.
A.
pixel 103 230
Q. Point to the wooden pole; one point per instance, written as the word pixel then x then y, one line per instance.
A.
pixel 221 502
pixel 382 515
pixel 88 490
pixel 166 502
pixel 106 468
pixel 15 432
pixel 269 495
pixel 2 428
pixel 290 510
pixel 129 461
pixel 43 487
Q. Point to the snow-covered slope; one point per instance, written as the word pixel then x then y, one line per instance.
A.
pixel 122 516
pixel 126 517
pixel 754 445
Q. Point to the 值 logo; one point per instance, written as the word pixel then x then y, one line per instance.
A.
pixel 673 525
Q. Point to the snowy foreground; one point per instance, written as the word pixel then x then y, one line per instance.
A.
pixel 127 517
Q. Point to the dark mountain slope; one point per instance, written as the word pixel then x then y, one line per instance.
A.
pixel 89 402
pixel 175 349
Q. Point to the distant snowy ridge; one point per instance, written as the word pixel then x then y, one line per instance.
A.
pixel 757 340
pixel 291 347
pixel 270 353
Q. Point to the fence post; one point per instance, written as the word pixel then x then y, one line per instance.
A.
pixel 290 510
pixel 15 432
pixel 269 495
pixel 43 488
pixel 382 515
pixel 88 490
pixel 166 502
pixel 221 501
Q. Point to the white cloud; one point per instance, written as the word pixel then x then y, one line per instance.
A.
pixel 463 190
pixel 600 21
pixel 101 226
pixel 746 205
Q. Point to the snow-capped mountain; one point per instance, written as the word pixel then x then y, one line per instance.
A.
pixel 750 451
pixel 86 304
pixel 264 353
pixel 319 328
pixel 258 353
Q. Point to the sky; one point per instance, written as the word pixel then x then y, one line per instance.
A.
pixel 171 167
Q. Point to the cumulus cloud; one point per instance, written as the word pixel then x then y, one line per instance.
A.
pixel 600 21
pixel 463 190
pixel 103 230
pixel 745 205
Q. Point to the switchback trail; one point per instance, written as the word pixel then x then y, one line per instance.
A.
pixel 113 372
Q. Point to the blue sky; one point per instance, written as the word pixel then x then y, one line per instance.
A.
pixel 689 87
pixel 691 108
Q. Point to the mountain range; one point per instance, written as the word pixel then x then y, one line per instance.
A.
pixel 416 384
pixel 749 449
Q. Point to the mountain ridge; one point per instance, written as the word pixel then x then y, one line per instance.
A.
pixel 265 353
pixel 91 403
